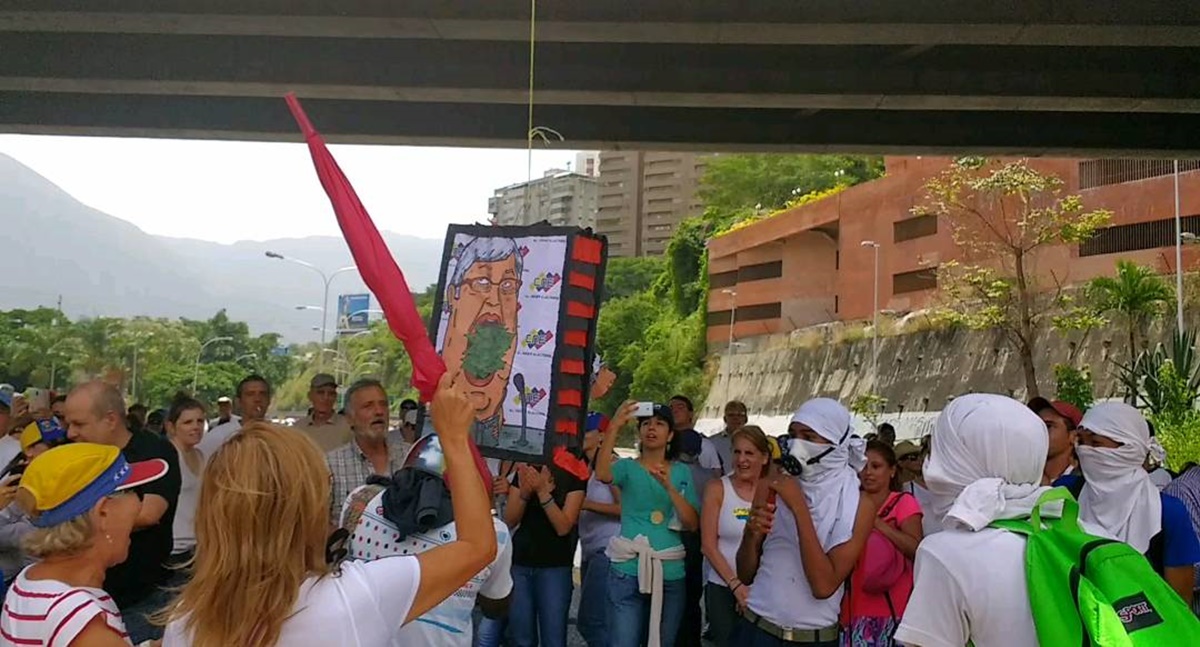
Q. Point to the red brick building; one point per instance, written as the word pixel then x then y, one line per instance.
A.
pixel 808 265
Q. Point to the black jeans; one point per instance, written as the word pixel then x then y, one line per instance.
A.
pixel 721 606
pixel 693 620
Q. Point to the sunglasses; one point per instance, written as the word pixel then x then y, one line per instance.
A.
pixel 910 457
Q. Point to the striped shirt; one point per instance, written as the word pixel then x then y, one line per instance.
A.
pixel 351 468
pixel 51 613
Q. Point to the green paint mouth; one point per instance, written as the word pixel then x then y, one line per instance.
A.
pixel 487 346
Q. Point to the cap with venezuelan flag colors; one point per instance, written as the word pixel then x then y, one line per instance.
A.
pixel 67 481
pixel 43 431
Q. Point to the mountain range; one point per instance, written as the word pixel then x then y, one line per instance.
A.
pixel 52 246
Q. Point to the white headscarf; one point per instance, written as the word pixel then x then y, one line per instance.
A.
pixel 831 485
pixel 986 461
pixel 1118 497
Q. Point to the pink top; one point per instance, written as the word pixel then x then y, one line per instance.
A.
pixel 862 604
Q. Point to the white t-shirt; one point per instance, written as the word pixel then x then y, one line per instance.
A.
pixel 217 436
pixel 969 586
pixel 781 592
pixel 10 446
pixel 364 606
pixel 449 624
pixel 183 529
pixel 1160 477
pixel 929 523
pixel 52 613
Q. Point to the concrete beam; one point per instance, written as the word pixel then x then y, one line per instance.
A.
pixel 1174 34
pixel 952 12
pixel 610 128
pixel 741 76
pixel 810 103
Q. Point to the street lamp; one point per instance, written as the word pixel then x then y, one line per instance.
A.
pixel 133 382
pixel 1179 242
pixel 54 360
pixel 365 353
pixel 874 319
pixel 732 313
pixel 246 356
pixel 199 354
pixel 325 280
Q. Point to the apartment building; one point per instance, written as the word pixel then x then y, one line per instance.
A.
pixel 816 263
pixel 560 197
pixel 643 196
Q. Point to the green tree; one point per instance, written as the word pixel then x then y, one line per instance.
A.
pixel 626 277
pixel 1137 293
pixel 620 331
pixel 869 407
pixel 1003 215
pixel 1074 385
pixel 768 181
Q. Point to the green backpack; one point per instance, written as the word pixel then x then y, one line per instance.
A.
pixel 1086 590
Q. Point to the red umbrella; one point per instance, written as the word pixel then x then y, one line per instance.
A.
pixel 375 263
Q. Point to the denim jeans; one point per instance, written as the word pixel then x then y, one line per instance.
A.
pixel 593 599
pixel 491 632
pixel 629 611
pixel 541 603
pixel 747 635
pixel 137 624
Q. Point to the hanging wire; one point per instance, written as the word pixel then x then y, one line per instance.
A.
pixel 544 133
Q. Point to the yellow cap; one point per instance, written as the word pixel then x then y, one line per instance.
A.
pixel 776 453
pixel 66 481
pixel 43 431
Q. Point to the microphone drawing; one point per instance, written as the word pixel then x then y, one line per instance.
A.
pixel 518 381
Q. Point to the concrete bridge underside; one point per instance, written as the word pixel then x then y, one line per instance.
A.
pixel 1069 77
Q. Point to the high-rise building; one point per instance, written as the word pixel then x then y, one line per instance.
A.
pixel 587 163
pixel 561 198
pixel 643 198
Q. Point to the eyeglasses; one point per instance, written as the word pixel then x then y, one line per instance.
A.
pixel 484 285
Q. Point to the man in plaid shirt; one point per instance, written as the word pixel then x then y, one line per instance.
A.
pixel 372 450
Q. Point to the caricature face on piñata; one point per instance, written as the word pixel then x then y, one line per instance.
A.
pixel 481 339
pixel 500 306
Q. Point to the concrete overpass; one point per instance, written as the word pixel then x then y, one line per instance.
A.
pixel 1069 77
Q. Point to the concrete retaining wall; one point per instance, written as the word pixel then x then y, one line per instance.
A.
pixel 918 372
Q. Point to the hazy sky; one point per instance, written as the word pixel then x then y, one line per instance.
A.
pixel 230 191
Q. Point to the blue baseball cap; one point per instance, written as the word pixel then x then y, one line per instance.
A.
pixel 596 421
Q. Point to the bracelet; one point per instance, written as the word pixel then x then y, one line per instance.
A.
pixel 739 585
pixel 547 502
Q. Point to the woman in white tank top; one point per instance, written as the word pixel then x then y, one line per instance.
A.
pixel 723 517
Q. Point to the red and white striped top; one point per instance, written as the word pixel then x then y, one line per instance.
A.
pixel 50 613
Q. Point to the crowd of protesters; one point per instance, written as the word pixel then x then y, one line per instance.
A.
pixel 185 526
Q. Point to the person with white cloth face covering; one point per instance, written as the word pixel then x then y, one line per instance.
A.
pixel 799 553
pixel 1120 501
pixel 986 462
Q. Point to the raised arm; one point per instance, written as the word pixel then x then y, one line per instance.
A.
pixel 446 568
pixel 826 571
pixel 762 517
pixel 604 460
pixel 562 518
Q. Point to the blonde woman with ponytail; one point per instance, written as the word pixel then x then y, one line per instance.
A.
pixel 261 577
